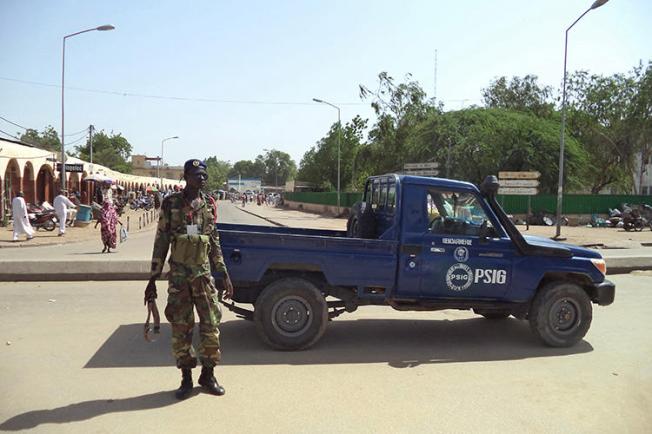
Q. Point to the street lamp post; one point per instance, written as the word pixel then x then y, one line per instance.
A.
pixel 596 4
pixel 63 76
pixel 339 139
pixel 158 166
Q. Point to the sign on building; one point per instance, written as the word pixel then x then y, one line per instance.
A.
pixel 70 168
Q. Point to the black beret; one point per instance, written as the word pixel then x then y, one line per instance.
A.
pixel 193 164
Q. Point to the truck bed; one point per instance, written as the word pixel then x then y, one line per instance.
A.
pixel 251 251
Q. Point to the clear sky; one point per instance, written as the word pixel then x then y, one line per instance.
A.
pixel 261 62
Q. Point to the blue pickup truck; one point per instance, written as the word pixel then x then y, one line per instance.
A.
pixel 413 243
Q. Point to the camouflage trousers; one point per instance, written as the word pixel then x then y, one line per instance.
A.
pixel 183 296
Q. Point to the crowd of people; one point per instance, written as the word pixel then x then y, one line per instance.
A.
pixel 107 205
pixel 268 199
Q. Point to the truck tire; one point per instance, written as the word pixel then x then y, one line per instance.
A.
pixel 291 314
pixel 560 314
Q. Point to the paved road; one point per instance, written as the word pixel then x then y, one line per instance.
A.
pixel 77 363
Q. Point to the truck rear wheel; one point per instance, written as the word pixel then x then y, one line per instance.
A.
pixel 291 314
pixel 561 314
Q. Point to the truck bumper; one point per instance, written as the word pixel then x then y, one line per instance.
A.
pixel 605 293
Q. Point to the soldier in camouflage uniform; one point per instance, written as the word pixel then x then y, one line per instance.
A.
pixel 187 224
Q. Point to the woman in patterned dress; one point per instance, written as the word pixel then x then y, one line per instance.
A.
pixel 108 219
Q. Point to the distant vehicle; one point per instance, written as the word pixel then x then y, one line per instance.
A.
pixel 413 243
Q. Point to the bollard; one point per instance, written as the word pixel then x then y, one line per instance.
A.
pixel 127 223
pixel 140 226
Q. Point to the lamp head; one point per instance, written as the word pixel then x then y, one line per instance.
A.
pixel 317 100
pixel 105 28
pixel 597 3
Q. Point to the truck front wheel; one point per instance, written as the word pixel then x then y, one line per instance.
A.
pixel 560 314
pixel 291 314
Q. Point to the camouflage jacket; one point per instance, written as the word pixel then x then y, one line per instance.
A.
pixel 176 214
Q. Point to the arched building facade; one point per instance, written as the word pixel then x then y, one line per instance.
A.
pixel 34 172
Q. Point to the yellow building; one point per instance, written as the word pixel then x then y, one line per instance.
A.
pixel 142 166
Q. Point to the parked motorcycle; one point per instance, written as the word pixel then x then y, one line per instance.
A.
pixel 40 217
pixel 632 220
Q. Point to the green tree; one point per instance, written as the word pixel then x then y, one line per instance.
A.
pixel 319 164
pixel 279 167
pixel 112 151
pixel 399 109
pixel 218 171
pixel 247 169
pixel 522 94
pixel 48 139
pixel 486 141
pixel 610 116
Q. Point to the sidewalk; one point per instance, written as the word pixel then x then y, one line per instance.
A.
pixel 135 221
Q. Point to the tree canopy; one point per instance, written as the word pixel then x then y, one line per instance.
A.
pixel 110 150
pixel 48 139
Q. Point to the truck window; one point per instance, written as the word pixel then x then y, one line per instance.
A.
pixel 455 213
pixel 391 197
pixel 367 192
pixel 383 195
pixel 375 194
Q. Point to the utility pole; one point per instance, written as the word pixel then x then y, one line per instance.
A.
pixel 435 87
pixel 91 130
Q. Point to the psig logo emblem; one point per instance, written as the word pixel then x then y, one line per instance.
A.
pixel 461 254
pixel 459 277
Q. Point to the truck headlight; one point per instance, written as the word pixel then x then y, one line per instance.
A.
pixel 600 265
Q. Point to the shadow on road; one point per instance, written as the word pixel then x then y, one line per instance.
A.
pixel 399 343
pixel 87 410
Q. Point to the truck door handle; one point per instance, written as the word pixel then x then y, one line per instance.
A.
pixel 236 256
pixel 411 249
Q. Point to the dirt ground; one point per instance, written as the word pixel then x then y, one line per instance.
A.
pixel 613 238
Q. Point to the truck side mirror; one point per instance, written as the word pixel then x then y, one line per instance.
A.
pixel 489 186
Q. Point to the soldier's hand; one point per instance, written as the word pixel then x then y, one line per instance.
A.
pixel 150 291
pixel 228 288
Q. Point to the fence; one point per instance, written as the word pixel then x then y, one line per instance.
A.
pixel 572 204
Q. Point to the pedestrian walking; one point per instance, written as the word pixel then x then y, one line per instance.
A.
pixel 21 219
pixel 187 225
pixel 108 220
pixel 61 205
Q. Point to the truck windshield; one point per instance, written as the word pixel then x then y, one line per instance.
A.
pixel 455 213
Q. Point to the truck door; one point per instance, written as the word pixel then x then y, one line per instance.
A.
pixel 455 248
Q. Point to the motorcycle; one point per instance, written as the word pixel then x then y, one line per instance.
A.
pixel 40 217
pixel 632 220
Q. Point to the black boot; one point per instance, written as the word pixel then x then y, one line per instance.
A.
pixel 186 384
pixel 207 379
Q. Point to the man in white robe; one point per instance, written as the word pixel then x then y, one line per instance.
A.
pixel 21 219
pixel 61 204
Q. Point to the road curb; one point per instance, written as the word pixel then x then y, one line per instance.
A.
pixel 31 271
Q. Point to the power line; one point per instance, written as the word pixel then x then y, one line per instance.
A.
pixel 13 123
pixel 174 98
pixel 7 134
pixel 75 141
pixel 26 128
